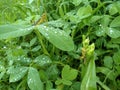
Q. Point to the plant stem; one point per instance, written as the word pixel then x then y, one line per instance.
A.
pixel 41 42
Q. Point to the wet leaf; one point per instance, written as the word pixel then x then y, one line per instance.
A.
pixel 57 37
pixel 12 31
pixel 33 79
pixel 17 73
pixel 42 60
pixel 113 33
pixel 101 31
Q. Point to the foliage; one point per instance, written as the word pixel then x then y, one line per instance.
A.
pixel 59 45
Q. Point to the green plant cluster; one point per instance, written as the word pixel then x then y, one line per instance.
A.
pixel 60 45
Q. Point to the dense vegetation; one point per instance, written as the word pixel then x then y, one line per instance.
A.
pixel 59 45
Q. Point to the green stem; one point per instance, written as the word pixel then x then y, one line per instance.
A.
pixel 23 81
pixel 41 42
pixel 102 85
pixel 99 6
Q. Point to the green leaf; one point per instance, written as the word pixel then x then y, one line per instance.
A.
pixel 69 73
pixel 95 18
pixel 63 81
pixel 84 12
pixel 101 31
pixel 32 42
pixel 58 81
pixel 113 33
pixel 106 71
pixel 61 12
pixel 2 71
pixel 113 9
pixel 52 72
pixel 33 79
pixel 17 73
pixel 115 22
pixel 75 86
pixel 49 85
pixel 76 2
pixel 12 31
pixel 35 49
pixel 108 62
pixel 66 82
pixel 116 58
pixel 42 60
pixel 115 40
pixel 105 20
pixel 57 37
pixel 89 80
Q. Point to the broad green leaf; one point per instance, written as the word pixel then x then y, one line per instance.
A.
pixel 84 12
pixel 58 81
pixel 33 79
pixel 113 9
pixel 57 37
pixel 101 31
pixel 113 33
pixel 108 62
pixel 12 31
pixel 52 72
pixel 69 73
pixel 89 80
pixel 42 60
pixel 57 23
pixel 105 20
pixel 115 40
pixel 17 73
pixel 66 82
pixel 106 71
pixel 115 22
pixel 95 18
pixel 76 2
pixel 116 58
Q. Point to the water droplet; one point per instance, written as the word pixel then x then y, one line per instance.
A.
pixel 55 32
pixel 100 25
pixel 111 31
pixel 4 47
pixel 44 27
